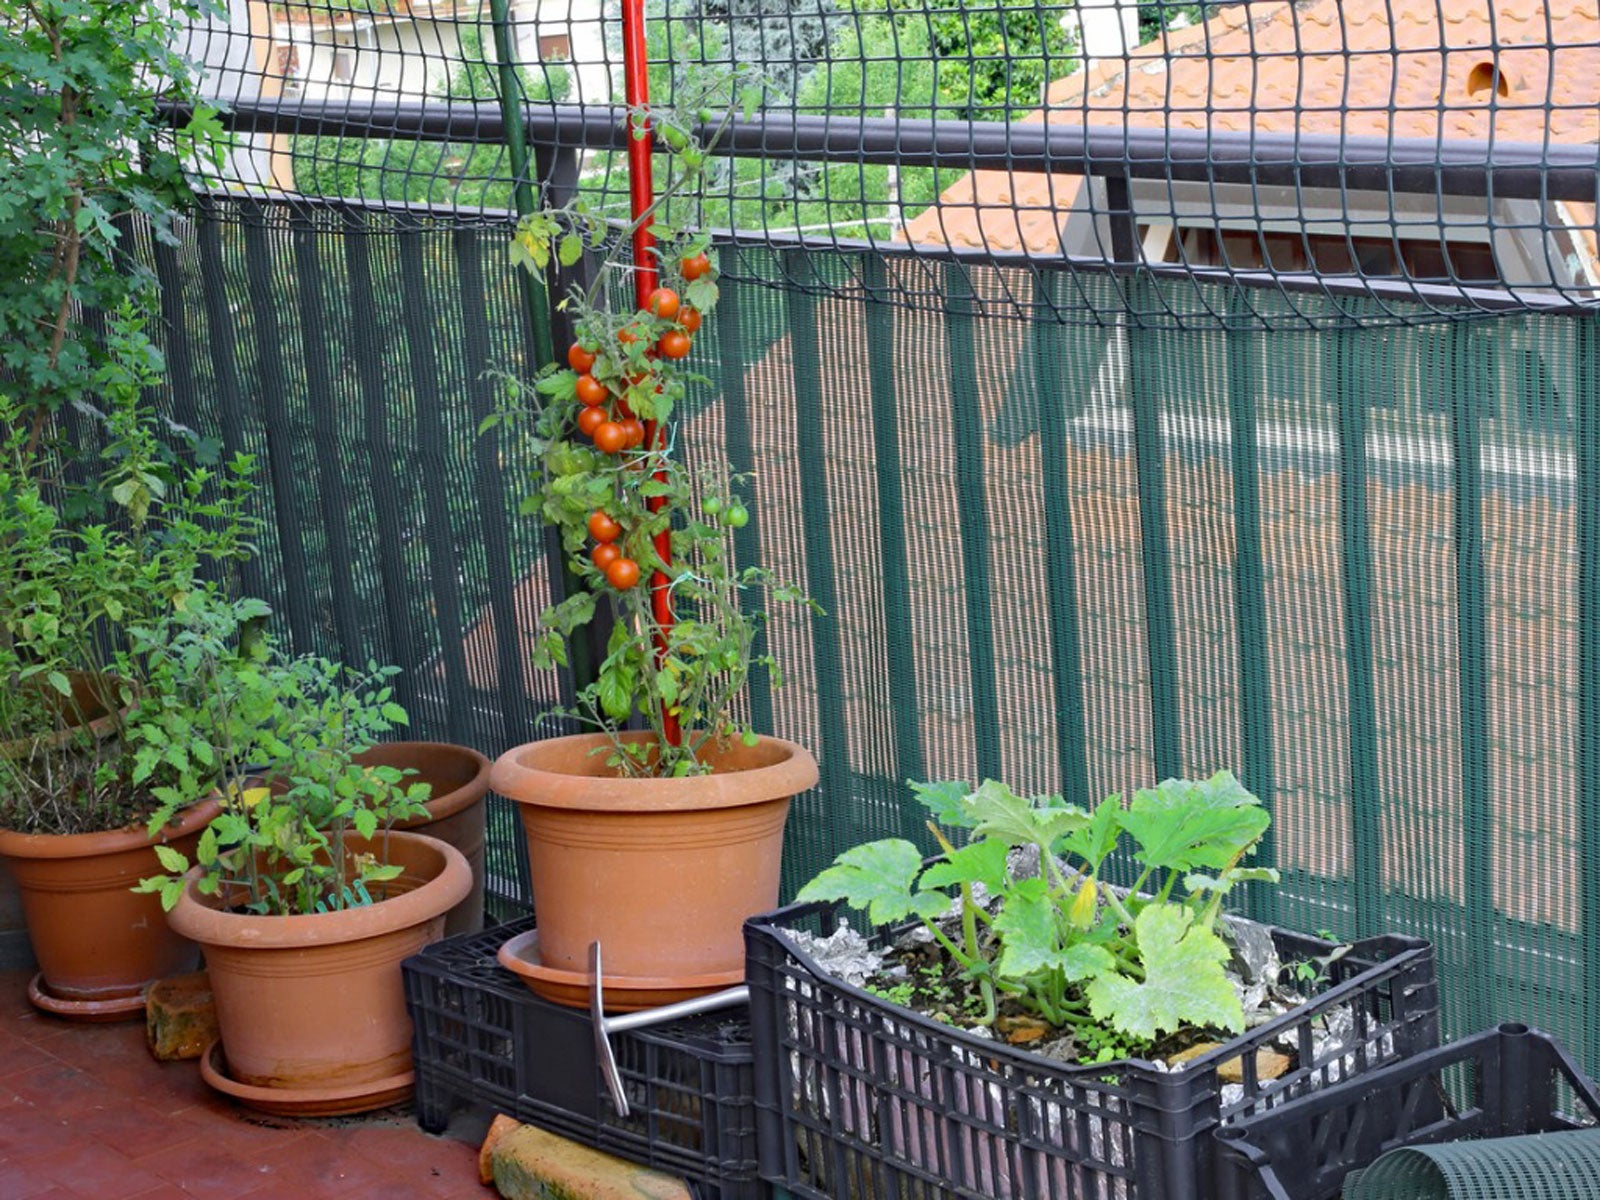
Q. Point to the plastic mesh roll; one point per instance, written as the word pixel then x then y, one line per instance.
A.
pixel 1548 1166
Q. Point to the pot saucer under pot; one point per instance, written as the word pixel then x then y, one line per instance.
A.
pixel 304 1102
pixel 624 993
pixel 107 1009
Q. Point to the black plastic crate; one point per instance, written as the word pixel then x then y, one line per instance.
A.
pixel 484 1042
pixel 859 1097
pixel 1503 1082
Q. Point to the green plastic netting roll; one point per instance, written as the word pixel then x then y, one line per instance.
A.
pixel 1541 1166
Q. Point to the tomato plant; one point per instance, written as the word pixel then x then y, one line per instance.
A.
pixel 613 500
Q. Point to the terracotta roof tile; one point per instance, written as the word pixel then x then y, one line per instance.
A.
pixel 1358 67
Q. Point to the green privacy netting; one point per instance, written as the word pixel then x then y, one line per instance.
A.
pixel 1540 1166
pixel 1359 567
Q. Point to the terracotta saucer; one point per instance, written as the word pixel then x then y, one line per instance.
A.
pixel 624 993
pixel 304 1102
pixel 114 1008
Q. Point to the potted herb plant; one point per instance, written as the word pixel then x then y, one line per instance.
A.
pixel 659 832
pixel 456 780
pixel 302 894
pixel 83 800
pixel 84 153
pixel 1042 1032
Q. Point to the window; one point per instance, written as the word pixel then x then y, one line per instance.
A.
pixel 1292 252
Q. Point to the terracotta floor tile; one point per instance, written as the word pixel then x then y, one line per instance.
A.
pixel 96 1171
pixel 221 1123
pixel 209 1170
pixel 163 1191
pixel 19 1182
pixel 136 1129
pixel 86 1114
pixel 55 1086
pixel 316 1166
pixel 27 1133
pixel 19 1056
pixel 396 1146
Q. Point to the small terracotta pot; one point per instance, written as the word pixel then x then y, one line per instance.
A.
pixel 312 1008
pixel 99 944
pixel 459 778
pixel 661 872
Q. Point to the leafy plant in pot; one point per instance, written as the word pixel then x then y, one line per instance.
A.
pixel 302 894
pixel 660 832
pixel 1137 1018
pixel 85 153
pixel 82 800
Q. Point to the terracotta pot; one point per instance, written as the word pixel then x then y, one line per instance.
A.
pixel 662 872
pixel 459 778
pixel 99 944
pixel 312 1008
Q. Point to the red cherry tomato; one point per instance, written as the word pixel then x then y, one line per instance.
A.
pixel 690 319
pixel 591 391
pixel 663 302
pixel 622 573
pixel 591 419
pixel 695 266
pixel 610 438
pixel 674 344
pixel 602 528
pixel 579 359
pixel 634 428
pixel 604 555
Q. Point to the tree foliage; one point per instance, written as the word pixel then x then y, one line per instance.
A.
pixel 83 145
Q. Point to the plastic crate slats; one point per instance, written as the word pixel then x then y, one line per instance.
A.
pixel 483 1041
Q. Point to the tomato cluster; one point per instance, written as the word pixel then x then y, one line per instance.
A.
pixel 621 572
pixel 604 416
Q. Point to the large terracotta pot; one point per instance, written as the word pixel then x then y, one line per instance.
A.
pixel 99 944
pixel 459 778
pixel 661 872
pixel 311 1009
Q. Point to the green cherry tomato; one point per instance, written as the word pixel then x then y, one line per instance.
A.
pixel 711 506
pixel 737 516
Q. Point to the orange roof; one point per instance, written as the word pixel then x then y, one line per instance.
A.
pixel 1356 67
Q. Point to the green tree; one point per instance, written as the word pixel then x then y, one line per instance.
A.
pixel 83 147
pixel 466 176
pixel 992 60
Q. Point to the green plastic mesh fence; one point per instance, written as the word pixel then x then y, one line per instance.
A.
pixel 1439 157
pixel 1360 567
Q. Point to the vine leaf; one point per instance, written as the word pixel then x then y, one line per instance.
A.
pixel 1184 980
pixel 995 811
pixel 879 878
pixel 1182 824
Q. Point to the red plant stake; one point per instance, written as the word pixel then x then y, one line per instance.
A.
pixel 641 192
